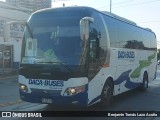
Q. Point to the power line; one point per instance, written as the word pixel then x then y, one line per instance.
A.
pixel 123 2
pixel 139 3
pixel 149 21
pixel 117 3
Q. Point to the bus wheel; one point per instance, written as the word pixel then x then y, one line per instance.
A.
pixel 107 94
pixel 145 81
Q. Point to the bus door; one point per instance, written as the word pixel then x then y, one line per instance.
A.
pixel 93 55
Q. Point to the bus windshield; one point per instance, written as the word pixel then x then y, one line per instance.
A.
pixel 49 40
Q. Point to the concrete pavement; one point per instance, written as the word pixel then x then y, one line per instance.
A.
pixel 9 75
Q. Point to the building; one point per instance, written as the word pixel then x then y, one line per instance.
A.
pixel 31 4
pixel 10 50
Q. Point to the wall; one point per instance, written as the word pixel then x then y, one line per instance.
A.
pixel 11 13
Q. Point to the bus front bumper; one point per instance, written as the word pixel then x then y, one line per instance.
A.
pixel 52 97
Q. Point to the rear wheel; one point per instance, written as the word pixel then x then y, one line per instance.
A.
pixel 145 81
pixel 107 94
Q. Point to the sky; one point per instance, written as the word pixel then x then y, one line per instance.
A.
pixel 146 13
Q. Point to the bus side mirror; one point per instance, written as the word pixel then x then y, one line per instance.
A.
pixel 84 27
pixel 7 28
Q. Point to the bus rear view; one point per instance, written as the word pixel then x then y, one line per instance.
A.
pixel 53 68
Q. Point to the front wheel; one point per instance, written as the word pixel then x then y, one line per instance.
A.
pixel 107 94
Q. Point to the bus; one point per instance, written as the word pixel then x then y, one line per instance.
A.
pixel 81 56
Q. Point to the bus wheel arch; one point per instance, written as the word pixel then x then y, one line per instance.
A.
pixel 107 93
pixel 144 85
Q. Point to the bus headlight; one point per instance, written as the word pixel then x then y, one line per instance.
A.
pixel 23 88
pixel 74 90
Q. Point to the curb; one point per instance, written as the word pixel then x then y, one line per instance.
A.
pixel 11 103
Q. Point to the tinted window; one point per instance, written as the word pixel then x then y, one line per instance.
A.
pixel 125 35
pixel 112 26
pixel 55 37
pixel 99 29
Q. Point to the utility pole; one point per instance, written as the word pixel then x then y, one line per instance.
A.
pixel 110 6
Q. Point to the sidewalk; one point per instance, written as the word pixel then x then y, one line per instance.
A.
pixel 11 74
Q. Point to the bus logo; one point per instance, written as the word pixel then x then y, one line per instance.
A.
pixel 126 54
pixel 51 83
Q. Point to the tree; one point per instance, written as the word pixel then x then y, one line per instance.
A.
pixel 158 54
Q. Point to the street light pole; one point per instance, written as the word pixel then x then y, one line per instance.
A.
pixel 110 6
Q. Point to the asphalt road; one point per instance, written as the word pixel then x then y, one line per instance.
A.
pixel 135 100
pixel 130 101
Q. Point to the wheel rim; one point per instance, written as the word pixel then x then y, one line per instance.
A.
pixel 145 81
pixel 107 92
pixel 145 84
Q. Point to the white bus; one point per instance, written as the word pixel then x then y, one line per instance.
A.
pixel 81 56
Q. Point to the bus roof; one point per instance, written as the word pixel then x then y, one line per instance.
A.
pixel 90 9
pixel 118 17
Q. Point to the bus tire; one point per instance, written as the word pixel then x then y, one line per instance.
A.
pixel 107 94
pixel 145 81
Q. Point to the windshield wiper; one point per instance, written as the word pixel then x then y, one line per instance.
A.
pixel 68 68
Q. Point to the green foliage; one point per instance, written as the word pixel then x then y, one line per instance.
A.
pixel 158 54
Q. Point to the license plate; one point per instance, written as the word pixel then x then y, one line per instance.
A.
pixel 45 100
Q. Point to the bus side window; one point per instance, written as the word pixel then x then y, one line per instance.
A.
pixel 97 45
